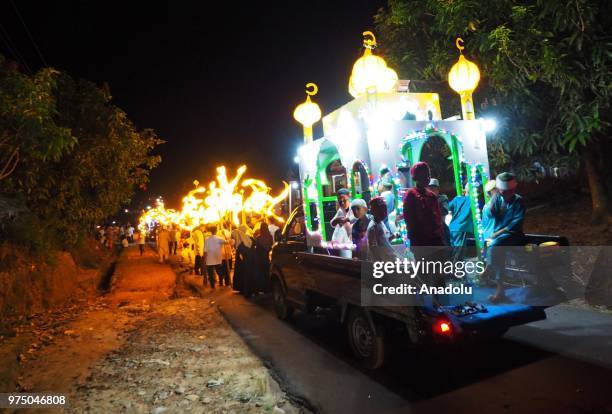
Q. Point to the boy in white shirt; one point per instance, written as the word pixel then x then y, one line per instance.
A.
pixel 214 259
pixel 342 223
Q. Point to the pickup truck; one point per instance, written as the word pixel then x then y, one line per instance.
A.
pixel 305 279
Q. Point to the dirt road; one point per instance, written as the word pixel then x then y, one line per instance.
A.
pixel 147 347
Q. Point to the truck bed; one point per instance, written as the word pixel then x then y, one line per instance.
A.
pixel 340 278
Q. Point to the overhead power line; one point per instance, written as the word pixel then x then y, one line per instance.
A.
pixel 40 55
pixel 6 39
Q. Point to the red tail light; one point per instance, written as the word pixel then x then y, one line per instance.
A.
pixel 443 327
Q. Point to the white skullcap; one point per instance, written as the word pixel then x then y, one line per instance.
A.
pixel 506 181
pixel 359 202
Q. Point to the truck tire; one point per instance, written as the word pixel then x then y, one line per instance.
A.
pixel 367 344
pixel 283 309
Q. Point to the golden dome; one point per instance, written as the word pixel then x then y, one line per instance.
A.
pixel 464 75
pixel 370 72
pixel 308 112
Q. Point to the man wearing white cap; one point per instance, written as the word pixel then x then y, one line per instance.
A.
pixel 342 223
pixel 360 228
pixel 508 213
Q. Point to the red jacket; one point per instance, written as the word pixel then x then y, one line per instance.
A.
pixel 423 219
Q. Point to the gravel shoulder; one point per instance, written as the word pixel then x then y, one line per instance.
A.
pixel 147 347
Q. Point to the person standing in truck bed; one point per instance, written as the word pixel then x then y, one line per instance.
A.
pixel 422 210
pixel 424 221
pixel 379 246
pixel 434 187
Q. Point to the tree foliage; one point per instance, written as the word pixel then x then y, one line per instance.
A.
pixel 28 130
pixel 81 158
pixel 546 68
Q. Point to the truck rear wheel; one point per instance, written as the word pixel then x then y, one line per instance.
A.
pixel 283 310
pixel 367 344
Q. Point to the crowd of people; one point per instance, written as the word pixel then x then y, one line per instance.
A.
pixel 238 258
pixel 114 237
pixel 359 232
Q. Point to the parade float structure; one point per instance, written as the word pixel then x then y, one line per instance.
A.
pixel 382 131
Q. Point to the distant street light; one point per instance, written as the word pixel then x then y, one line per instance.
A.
pixel 296 159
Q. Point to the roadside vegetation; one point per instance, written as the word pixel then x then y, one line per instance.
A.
pixel 546 76
pixel 69 158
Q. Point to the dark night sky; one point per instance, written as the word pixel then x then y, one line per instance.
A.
pixel 218 83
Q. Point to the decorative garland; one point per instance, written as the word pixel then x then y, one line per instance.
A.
pixel 474 184
pixel 368 173
pixel 423 134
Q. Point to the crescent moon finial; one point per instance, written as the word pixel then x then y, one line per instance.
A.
pixel 311 89
pixel 369 40
pixel 459 43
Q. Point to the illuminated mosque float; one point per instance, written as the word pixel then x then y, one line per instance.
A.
pixel 378 135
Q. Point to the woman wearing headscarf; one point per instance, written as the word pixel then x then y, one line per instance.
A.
pixel 263 245
pixel 242 243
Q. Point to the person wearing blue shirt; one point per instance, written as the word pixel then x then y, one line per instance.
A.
pixel 508 213
pixel 488 221
pixel 461 226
